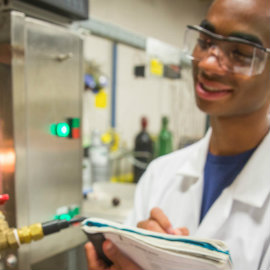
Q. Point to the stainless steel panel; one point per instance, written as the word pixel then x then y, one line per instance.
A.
pixel 54 163
pixel 71 260
pixel 40 84
pixel 7 167
pixel 12 118
pixel 53 75
pixel 19 125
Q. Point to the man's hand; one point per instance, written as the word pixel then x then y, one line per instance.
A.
pixel 159 222
pixel 120 262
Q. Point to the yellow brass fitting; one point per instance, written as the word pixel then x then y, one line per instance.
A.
pixel 12 240
pixel 3 225
pixel 2 216
pixel 36 231
pixel 3 240
pixel 24 235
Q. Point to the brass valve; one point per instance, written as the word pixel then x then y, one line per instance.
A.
pixel 28 233
pixel 12 238
pixel 7 237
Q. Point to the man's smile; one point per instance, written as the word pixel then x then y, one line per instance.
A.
pixel 213 86
pixel 212 90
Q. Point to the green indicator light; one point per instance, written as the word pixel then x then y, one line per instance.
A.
pixel 75 122
pixel 62 130
pixel 70 212
pixel 53 129
pixel 65 216
pixel 76 211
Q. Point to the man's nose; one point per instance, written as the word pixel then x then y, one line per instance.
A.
pixel 212 62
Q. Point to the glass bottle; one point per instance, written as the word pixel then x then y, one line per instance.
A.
pixel 164 139
pixel 99 159
pixel 143 151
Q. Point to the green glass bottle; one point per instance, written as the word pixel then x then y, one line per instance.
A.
pixel 164 138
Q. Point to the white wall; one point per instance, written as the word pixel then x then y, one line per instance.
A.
pixel 162 19
pixel 152 97
pixel 98 50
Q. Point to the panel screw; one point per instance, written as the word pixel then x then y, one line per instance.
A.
pixel 11 260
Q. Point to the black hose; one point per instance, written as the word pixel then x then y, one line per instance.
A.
pixel 53 226
pixel 76 220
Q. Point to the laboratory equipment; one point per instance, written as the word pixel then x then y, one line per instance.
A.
pixel 13 238
pixel 41 87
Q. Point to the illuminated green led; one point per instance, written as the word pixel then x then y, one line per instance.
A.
pixel 53 129
pixel 65 217
pixel 62 130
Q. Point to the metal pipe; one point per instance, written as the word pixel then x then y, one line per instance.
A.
pixel 112 32
pixel 114 85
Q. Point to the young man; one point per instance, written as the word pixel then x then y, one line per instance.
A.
pixel 219 187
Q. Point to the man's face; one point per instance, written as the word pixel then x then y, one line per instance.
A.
pixel 222 93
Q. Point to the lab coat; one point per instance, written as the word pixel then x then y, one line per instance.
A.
pixel 240 216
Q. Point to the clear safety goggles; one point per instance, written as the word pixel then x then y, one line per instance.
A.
pixel 234 54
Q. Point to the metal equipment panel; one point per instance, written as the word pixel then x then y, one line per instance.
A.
pixel 41 84
pixel 52 78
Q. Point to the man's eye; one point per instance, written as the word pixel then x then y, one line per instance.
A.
pixel 238 55
pixel 204 44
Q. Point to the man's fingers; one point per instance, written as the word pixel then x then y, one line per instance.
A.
pixel 120 261
pixel 158 215
pixel 181 231
pixel 93 262
pixel 151 225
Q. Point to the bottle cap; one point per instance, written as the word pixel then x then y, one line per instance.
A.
pixel 96 137
pixel 144 122
pixel 165 120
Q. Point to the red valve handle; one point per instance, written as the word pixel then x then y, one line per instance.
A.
pixel 4 198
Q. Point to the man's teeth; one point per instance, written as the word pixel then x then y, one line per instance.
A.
pixel 211 89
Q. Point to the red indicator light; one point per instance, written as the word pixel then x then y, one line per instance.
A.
pixel 75 133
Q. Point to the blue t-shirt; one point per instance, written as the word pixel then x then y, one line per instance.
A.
pixel 219 173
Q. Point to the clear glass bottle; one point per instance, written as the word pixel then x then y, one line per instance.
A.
pixel 99 159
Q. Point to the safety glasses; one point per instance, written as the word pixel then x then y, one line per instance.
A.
pixel 234 54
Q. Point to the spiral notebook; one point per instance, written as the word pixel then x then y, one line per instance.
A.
pixel 151 250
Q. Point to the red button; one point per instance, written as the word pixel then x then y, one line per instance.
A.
pixel 75 133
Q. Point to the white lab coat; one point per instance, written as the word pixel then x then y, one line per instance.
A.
pixel 240 216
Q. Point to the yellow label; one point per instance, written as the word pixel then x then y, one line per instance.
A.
pixel 156 67
pixel 123 178
pixel 101 99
